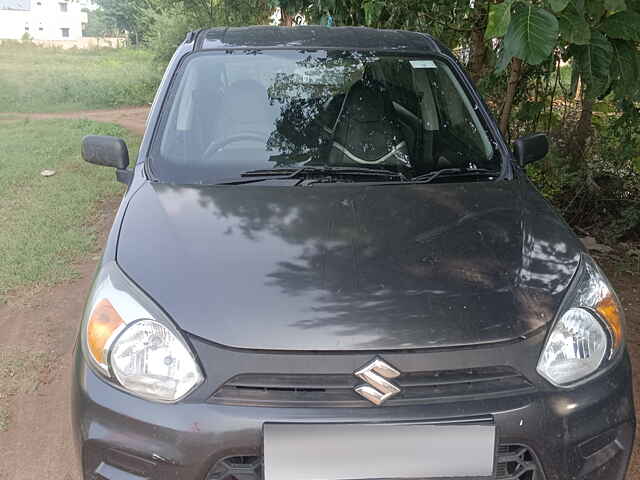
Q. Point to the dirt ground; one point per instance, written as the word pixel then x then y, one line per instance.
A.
pixel 132 118
pixel 37 443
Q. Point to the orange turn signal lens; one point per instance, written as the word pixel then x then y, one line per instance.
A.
pixel 609 309
pixel 104 321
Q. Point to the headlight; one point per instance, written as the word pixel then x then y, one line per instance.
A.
pixel 589 332
pixel 129 340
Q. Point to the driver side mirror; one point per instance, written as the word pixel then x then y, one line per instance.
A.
pixel 531 148
pixel 108 152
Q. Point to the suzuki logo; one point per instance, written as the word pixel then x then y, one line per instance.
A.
pixel 378 388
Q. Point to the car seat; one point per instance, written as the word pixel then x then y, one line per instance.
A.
pixel 364 127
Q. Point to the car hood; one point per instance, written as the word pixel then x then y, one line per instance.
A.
pixel 344 267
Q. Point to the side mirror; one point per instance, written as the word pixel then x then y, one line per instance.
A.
pixel 531 148
pixel 105 151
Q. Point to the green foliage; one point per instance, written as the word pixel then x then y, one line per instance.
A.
pixel 559 5
pixel 168 29
pixel 574 27
pixel 615 169
pixel 622 140
pixel 126 15
pixel 594 9
pixel 615 5
pixel 623 25
pixel 37 79
pixel 215 13
pixel 625 69
pixel 168 21
pixel 241 12
pixel 592 64
pixel 531 35
pixel 499 19
pixel 601 38
pixel 530 111
pixel 603 196
pixel 372 10
pixel 99 25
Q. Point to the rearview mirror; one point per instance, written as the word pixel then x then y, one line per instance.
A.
pixel 105 151
pixel 531 148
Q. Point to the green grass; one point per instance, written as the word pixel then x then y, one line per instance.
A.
pixel 46 221
pixel 36 79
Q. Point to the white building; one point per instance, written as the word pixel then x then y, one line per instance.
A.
pixel 43 19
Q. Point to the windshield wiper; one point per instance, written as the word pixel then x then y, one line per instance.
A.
pixel 302 173
pixel 253 176
pixel 447 172
pixel 292 172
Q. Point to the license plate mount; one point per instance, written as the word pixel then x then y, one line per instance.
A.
pixel 358 451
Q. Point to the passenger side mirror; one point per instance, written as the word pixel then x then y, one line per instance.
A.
pixel 105 151
pixel 108 152
pixel 531 148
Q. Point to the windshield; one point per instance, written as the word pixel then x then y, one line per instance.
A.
pixel 232 112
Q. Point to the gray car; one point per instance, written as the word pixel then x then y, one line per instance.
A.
pixel 328 264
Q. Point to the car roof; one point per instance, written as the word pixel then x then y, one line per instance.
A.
pixel 313 36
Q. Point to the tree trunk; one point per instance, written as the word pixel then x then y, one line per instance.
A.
pixel 477 55
pixel 582 133
pixel 512 88
pixel 579 92
pixel 478 47
pixel 286 20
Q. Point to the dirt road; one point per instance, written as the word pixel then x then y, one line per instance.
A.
pixel 132 118
pixel 42 325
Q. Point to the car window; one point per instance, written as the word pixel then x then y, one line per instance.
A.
pixel 459 119
pixel 229 112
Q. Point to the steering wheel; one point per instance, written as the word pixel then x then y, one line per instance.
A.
pixel 214 147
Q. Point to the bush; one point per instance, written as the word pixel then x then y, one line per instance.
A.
pixel 602 195
pixel 167 31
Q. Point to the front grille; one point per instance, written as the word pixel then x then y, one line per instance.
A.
pixel 237 468
pixel 309 390
pixel 514 462
pixel 517 462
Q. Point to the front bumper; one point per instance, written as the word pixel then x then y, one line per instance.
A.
pixel 583 433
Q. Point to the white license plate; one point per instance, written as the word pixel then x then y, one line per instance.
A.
pixel 377 451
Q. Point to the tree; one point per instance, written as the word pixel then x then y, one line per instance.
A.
pixel 126 15
pixel 599 37
pixel 98 25
pixel 168 21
